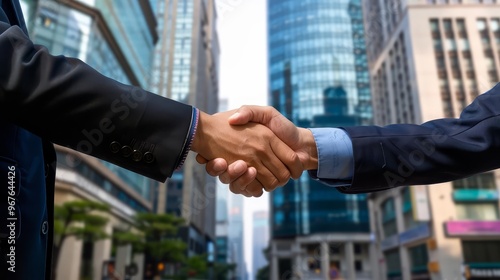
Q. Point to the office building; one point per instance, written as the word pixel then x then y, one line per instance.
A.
pixel 428 60
pixel 186 69
pixel 260 241
pixel 319 77
pixel 236 235
pixel 117 40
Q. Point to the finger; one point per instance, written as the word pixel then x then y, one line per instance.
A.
pixel 233 172
pixel 288 157
pixel 258 114
pixel 216 167
pixel 255 189
pixel 200 159
pixel 246 179
pixel 265 177
pixel 283 163
pixel 239 191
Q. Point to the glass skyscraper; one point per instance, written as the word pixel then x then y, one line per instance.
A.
pixel 318 78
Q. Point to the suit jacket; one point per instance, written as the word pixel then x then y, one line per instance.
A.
pixel 437 151
pixel 48 99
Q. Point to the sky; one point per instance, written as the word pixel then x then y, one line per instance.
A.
pixel 242 31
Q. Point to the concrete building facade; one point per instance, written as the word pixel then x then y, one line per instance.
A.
pixel 428 60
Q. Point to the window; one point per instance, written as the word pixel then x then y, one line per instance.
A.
pixel 358 266
pixel 480 181
pixel 418 258
pixel 409 221
pixel 389 218
pixel 393 262
pixel 481 24
pixel 481 251
pixel 477 211
pixel 358 249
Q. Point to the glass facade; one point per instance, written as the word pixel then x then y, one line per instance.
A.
pixel 171 67
pixel 127 22
pixel 318 78
pixel 65 30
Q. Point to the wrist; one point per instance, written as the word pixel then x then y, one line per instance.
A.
pixel 198 138
pixel 309 149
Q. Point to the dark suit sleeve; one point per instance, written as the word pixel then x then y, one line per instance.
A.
pixel 69 103
pixel 437 151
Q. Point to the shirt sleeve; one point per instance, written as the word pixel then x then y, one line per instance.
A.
pixel 335 157
pixel 189 137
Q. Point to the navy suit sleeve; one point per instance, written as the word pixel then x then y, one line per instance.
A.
pixel 437 151
pixel 69 103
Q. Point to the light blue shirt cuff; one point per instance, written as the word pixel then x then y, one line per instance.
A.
pixel 335 156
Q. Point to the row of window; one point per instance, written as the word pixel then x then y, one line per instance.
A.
pixel 66 161
pixel 454 92
pixel 475 210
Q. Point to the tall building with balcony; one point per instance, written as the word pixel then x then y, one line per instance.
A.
pixel 319 77
pixel 186 69
pixel 118 41
pixel 428 60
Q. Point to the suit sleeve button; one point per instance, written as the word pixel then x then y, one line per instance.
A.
pixel 45 227
pixel 114 147
pixel 136 156
pixel 126 151
pixel 149 157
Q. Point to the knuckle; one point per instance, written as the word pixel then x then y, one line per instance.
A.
pixel 273 184
pixel 284 177
pixel 224 178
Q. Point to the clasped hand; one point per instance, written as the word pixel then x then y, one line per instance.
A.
pixel 262 147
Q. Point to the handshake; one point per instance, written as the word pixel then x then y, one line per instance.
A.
pixel 262 147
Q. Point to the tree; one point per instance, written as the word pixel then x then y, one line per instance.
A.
pixel 78 219
pixel 222 270
pixel 157 239
pixel 195 267
pixel 263 273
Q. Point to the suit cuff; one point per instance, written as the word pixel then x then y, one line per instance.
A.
pixel 335 156
pixel 189 137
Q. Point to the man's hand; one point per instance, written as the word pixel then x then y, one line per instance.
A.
pixel 299 139
pixel 271 161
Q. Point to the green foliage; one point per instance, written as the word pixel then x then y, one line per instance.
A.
pixel 195 267
pixel 263 273
pixel 157 238
pixel 79 219
pixel 221 270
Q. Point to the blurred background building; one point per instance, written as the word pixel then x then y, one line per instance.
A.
pixel 430 59
pixel 318 75
pixel 260 241
pixel 186 68
pixel 236 235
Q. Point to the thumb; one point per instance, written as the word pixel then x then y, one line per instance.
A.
pixel 200 159
pixel 247 113
pixel 242 116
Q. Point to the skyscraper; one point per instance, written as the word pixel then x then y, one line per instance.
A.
pixel 236 235
pixel 260 240
pixel 428 60
pixel 186 68
pixel 117 40
pixel 319 77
